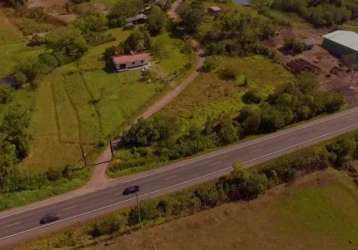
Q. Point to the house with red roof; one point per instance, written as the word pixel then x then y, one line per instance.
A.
pixel 131 62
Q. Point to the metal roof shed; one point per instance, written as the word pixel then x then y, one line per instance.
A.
pixel 341 43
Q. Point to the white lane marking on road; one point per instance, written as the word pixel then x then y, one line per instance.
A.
pixel 178 184
pixel 11 224
pixel 69 208
pixel 171 177
pixel 114 204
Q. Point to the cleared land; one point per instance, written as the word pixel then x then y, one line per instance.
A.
pixel 315 212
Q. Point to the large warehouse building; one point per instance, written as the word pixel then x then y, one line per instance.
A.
pixel 341 43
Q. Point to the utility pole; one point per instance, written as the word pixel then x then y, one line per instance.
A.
pixel 111 147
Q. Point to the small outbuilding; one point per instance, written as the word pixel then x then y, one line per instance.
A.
pixel 341 43
pixel 131 62
pixel 138 19
pixel 214 10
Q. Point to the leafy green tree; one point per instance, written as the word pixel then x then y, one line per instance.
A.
pixel 8 161
pixel 67 44
pixel 138 41
pixel 91 23
pixel 192 15
pixel 15 128
pixel 157 20
pixel 16 3
pixel 6 94
pixel 342 151
pixel 122 10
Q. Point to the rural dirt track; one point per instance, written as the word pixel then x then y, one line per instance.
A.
pixel 99 177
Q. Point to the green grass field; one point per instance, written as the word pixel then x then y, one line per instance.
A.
pixel 12 47
pixel 8 32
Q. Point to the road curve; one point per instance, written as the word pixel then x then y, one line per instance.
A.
pixel 24 224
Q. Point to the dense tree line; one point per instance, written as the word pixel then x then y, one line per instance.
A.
pixel 239 34
pixel 162 138
pixel 321 13
pixel 14 144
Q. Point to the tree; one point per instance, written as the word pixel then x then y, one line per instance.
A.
pixel 91 23
pixel 8 161
pixel 25 72
pixel 67 44
pixel 16 3
pixel 262 5
pixel 342 151
pixel 15 128
pixel 6 94
pixel 251 96
pixel 157 20
pixel 122 10
pixel 138 41
pixel 191 15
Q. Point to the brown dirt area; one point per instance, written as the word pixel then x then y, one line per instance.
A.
pixel 55 8
pixel 332 74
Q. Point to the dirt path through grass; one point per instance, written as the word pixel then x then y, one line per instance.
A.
pixel 99 177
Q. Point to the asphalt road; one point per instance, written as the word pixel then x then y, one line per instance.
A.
pixel 24 225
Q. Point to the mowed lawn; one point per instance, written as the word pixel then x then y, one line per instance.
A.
pixel 118 97
pixel 317 212
pixel 47 151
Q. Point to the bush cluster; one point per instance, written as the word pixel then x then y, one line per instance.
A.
pixel 321 13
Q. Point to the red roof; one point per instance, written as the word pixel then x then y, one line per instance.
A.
pixel 124 59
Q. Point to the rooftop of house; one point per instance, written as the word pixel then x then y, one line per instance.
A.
pixel 346 38
pixel 124 59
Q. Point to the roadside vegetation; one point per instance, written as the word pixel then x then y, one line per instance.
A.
pixel 334 159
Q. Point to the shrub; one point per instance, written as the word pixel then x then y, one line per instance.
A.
pixel 251 96
pixel 211 64
pixel 228 74
pixel 107 226
pixel 6 94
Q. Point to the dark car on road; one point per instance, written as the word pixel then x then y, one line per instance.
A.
pixel 131 190
pixel 49 218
